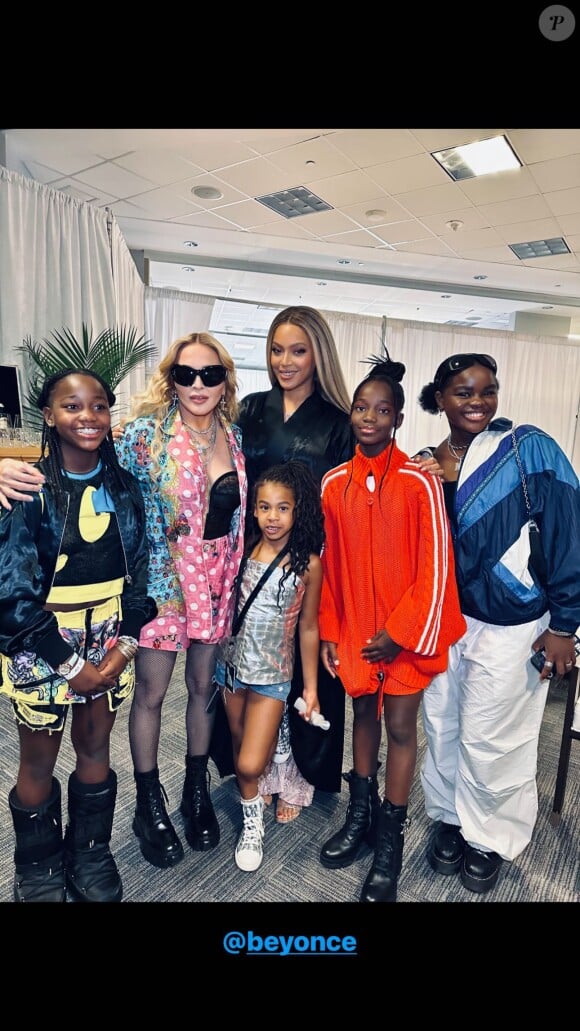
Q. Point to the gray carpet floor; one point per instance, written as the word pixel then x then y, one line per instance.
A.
pixel 548 870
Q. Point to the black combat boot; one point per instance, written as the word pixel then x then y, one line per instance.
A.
pixel 91 871
pixel 381 882
pixel 158 840
pixel 375 800
pixel 344 846
pixel 38 857
pixel 201 827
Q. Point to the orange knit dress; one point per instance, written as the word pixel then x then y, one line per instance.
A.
pixel 388 563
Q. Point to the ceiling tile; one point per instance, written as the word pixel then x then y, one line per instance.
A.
pixel 564 202
pixel 402 232
pixel 325 223
pixel 520 209
pixel 414 173
pixel 471 218
pixel 543 144
pixel 559 174
pixel 357 238
pixel 165 203
pixel 374 146
pixel 258 177
pixel 393 212
pixel 427 246
pixel 501 254
pixel 249 214
pixel 326 160
pixel 160 167
pixel 569 224
pixel 115 180
pixel 344 190
pixel 432 200
pixel 524 232
pixel 89 196
pixel 475 240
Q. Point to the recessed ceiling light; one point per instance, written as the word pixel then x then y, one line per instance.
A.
pixel 310 162
pixel 480 277
pixel 539 248
pixel 375 215
pixel 473 159
pixel 446 296
pixel 189 243
pixel 207 192
pixel 343 261
pixel 187 268
pixel 322 284
pixel 547 307
pixel 455 224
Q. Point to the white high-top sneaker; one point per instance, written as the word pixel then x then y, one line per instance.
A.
pixel 249 850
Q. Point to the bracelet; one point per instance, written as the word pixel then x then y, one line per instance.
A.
pixel 128 646
pixel 560 633
pixel 72 667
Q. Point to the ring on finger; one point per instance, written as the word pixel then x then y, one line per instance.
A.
pixel 548 663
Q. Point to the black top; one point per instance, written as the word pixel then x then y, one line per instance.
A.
pixel 317 433
pixel 224 498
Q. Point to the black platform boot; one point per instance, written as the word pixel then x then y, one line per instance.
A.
pixel 158 840
pixel 344 846
pixel 91 871
pixel 381 882
pixel 201 827
pixel 38 857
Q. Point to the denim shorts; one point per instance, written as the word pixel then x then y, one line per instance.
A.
pixel 278 691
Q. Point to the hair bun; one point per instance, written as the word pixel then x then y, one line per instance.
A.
pixel 384 366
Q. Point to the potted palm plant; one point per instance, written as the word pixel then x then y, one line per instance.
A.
pixel 113 354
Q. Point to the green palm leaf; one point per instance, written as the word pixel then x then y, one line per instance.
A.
pixel 113 354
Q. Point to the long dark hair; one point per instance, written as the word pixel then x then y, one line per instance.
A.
pixel 307 534
pixel 50 446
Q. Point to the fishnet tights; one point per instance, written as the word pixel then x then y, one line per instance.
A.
pixel 153 671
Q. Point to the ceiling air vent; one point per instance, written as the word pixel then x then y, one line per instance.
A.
pixel 295 202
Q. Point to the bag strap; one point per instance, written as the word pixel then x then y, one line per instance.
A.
pixel 240 616
pixel 521 469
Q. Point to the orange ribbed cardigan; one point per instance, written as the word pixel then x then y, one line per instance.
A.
pixel 388 563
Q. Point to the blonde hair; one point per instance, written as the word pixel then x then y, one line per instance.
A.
pixel 159 397
pixel 328 378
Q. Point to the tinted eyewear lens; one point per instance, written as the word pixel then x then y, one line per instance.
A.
pixel 459 362
pixel 210 375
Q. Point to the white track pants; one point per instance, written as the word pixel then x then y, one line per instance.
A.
pixel 482 721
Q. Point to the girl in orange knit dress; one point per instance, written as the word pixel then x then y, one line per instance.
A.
pixel 389 612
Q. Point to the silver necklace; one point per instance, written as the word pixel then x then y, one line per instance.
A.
pixel 206 451
pixel 202 433
pixel 454 450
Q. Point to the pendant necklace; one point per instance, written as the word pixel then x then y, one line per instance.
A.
pixel 205 451
pixel 454 452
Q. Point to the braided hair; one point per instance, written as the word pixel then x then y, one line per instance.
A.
pixel 50 447
pixel 307 534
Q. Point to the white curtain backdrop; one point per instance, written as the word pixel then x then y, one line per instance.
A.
pixel 129 307
pixel 62 263
pixel 170 314
pixel 539 377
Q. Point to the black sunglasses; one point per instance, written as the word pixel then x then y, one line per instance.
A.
pixel 460 362
pixel 210 375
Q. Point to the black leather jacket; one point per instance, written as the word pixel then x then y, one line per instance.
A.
pixel 30 537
